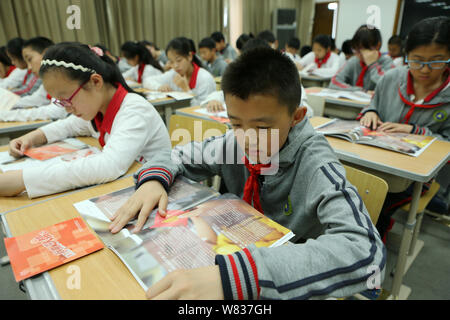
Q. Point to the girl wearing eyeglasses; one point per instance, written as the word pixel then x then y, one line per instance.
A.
pixel 414 98
pixel 88 84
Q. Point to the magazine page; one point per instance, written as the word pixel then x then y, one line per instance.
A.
pixel 184 193
pixel 178 95
pixel 359 96
pixel 344 129
pixel 221 114
pixel 405 143
pixel 50 247
pixel 55 149
pixel 25 162
pixel 8 99
pixel 187 239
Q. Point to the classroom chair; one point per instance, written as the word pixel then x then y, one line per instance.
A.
pixel 316 103
pixel 195 130
pixel 372 189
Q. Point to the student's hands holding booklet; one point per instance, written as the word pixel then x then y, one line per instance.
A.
pixel 18 146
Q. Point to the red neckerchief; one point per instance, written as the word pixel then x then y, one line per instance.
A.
pixel 321 62
pixel 26 77
pixel 410 91
pixel 10 69
pixel 360 81
pixel 104 124
pixel 251 188
pixel 193 80
pixel 49 97
pixel 140 72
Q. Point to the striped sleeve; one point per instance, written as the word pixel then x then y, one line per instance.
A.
pixel 239 276
pixel 155 173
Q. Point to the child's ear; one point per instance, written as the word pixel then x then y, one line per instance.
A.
pixel 97 80
pixel 299 115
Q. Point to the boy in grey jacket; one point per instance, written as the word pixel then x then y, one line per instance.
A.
pixel 303 187
pixel 367 66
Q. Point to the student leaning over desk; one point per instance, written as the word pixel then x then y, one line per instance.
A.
pixel 414 98
pixel 89 85
pixel 336 241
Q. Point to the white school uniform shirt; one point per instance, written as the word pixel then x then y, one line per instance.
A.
pixel 327 70
pixel 342 59
pixel 15 79
pixel 204 85
pixel 149 71
pixel 398 62
pixel 37 99
pixel 296 58
pixel 219 96
pixel 137 133
pixel 48 112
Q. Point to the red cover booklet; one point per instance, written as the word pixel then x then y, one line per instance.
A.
pixel 45 249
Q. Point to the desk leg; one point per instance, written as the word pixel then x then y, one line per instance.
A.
pixel 167 114
pixel 406 240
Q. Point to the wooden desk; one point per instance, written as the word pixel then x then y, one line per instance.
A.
pixel 191 112
pixel 393 166
pixel 102 274
pixel 8 204
pixel 339 107
pixel 8 129
pixel 314 81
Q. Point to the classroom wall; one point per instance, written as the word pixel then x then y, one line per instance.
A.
pixel 353 13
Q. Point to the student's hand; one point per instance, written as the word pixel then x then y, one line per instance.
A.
pixel 299 66
pixel 11 183
pixel 194 284
pixel 214 106
pixel 165 88
pixel 390 127
pixel 19 145
pixel 370 120
pixel 228 61
pixel 142 202
pixel 369 56
pixel 181 82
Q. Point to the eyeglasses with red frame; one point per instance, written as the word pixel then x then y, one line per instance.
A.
pixel 67 103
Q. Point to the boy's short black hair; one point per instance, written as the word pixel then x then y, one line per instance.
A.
pixel 207 43
pixel 14 48
pixel 267 35
pixel 347 47
pixel 294 43
pixel 396 40
pixel 217 36
pixel 305 50
pixel 253 44
pixel 323 40
pixel 263 71
pixel 38 44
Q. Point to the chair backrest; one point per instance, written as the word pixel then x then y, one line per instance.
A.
pixel 316 103
pixel 372 190
pixel 184 129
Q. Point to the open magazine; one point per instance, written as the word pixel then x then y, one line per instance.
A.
pixel 221 116
pixel 195 229
pixel 353 131
pixel 359 96
pixel 7 99
pixel 63 151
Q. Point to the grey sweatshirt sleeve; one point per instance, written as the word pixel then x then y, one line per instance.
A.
pixel 196 161
pixel 343 80
pixel 349 257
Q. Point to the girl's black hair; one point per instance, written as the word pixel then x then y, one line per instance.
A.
pixel 428 31
pixel 366 37
pixel 4 59
pixel 14 48
pixel 184 46
pixel 243 38
pixel 38 44
pixel 305 50
pixel 132 49
pixel 323 40
pixel 81 54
